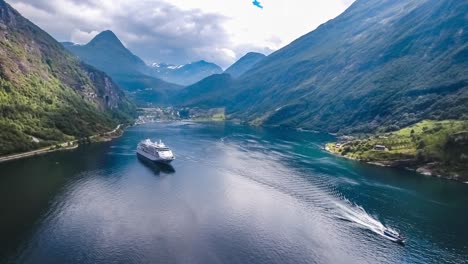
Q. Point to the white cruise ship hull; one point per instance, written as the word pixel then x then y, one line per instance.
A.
pixel 154 158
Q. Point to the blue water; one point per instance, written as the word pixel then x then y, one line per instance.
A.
pixel 234 194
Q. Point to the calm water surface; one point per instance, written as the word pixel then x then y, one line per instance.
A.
pixel 234 195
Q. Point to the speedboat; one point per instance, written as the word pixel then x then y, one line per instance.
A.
pixel 155 151
pixel 394 236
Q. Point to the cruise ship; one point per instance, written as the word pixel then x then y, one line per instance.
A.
pixel 155 151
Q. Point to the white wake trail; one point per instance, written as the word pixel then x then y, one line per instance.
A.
pixel 358 215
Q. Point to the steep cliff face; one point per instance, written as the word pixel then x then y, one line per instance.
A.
pixel 47 94
pixel 108 94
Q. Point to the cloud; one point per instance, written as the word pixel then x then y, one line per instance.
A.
pixel 347 2
pixel 180 31
pixel 79 36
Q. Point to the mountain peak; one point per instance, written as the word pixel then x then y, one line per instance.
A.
pixel 201 62
pixel 107 53
pixel 253 53
pixel 107 33
pixel 205 64
pixel 244 64
pixel 106 37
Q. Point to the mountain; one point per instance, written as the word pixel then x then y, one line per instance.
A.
pixel 382 64
pixel 107 53
pixel 186 74
pixel 46 94
pixel 244 64
pixel 205 93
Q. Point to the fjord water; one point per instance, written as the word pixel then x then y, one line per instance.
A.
pixel 234 194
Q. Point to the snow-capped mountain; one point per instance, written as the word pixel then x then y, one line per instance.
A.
pixel 185 74
pixel 160 67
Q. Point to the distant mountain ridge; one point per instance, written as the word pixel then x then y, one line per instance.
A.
pixel 107 53
pixel 210 91
pixel 382 64
pixel 244 64
pixel 185 74
pixel 46 94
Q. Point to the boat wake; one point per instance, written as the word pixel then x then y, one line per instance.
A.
pixel 316 191
pixel 358 215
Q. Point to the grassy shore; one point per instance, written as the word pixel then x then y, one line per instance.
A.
pixel 72 144
pixel 217 117
pixel 438 148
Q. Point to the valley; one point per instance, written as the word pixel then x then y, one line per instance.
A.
pixel 309 132
pixel 164 114
pixel 380 90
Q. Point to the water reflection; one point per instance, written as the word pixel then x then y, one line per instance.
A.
pixel 157 167
pixel 240 195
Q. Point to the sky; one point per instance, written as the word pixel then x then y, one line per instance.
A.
pixel 183 31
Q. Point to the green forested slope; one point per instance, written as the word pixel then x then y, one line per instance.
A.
pixel 207 93
pixel 244 64
pixel 46 94
pixel 382 63
pixel 435 147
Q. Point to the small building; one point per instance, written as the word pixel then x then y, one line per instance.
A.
pixel 380 147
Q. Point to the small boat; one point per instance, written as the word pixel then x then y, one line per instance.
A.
pixel 155 151
pixel 394 236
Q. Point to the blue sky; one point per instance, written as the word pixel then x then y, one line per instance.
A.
pixel 181 31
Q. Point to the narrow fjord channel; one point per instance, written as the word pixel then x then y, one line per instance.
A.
pixel 234 194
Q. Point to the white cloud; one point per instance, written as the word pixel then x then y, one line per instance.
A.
pixel 180 31
pixel 82 37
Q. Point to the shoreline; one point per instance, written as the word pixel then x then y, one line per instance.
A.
pixel 181 120
pixel 68 145
pixel 422 169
